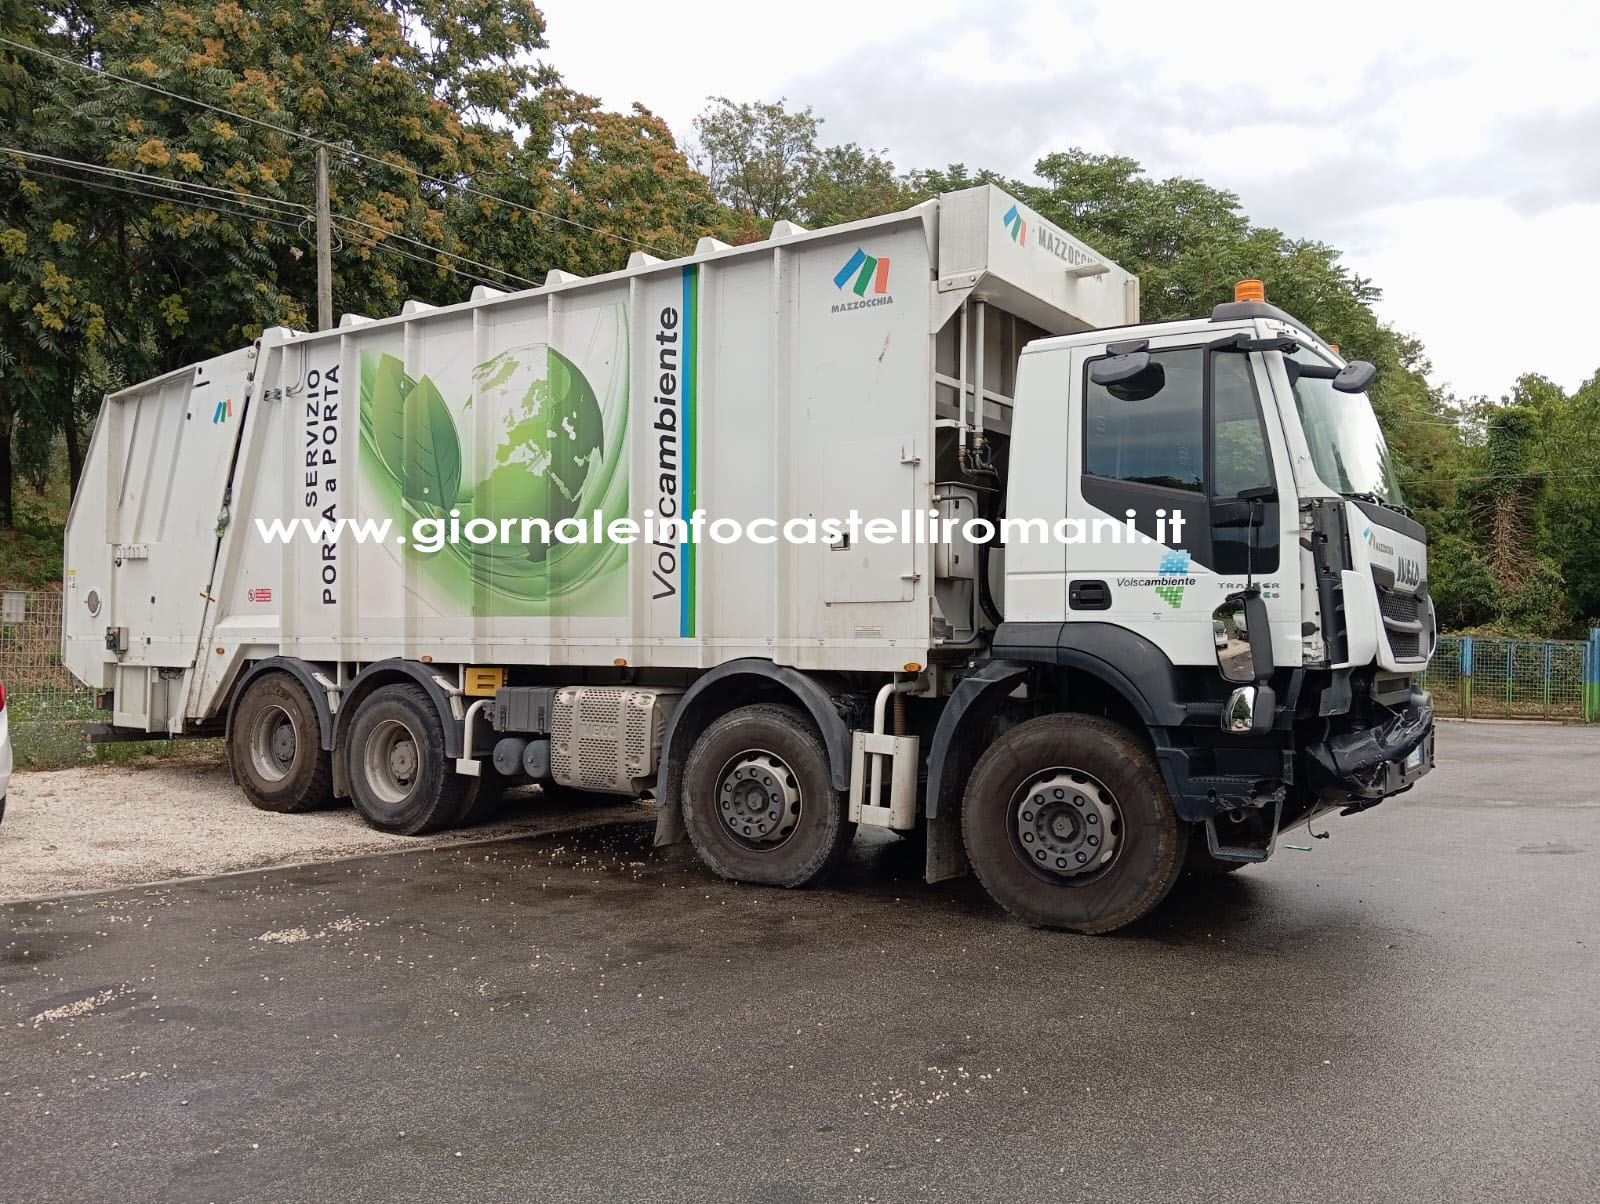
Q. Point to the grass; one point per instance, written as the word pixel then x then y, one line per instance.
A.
pixel 30 551
pixel 47 733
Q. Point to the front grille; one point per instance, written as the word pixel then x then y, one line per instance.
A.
pixel 1406 645
pixel 1403 608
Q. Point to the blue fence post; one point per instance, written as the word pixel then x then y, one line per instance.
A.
pixel 1591 677
pixel 1548 647
pixel 1466 677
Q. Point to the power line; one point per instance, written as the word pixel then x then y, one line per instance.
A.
pixel 208 193
pixel 146 178
pixel 331 146
pixel 432 263
pixel 204 192
pixel 243 215
pixel 488 267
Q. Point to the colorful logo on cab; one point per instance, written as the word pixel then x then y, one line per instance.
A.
pixel 1174 565
pixel 860 272
pixel 1012 221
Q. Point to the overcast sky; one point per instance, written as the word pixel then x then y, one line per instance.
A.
pixel 1453 157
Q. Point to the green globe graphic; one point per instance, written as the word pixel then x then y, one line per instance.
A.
pixel 550 439
pixel 529 438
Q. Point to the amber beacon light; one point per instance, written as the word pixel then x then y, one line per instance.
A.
pixel 1249 290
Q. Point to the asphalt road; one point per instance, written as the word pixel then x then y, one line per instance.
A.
pixel 1408 1011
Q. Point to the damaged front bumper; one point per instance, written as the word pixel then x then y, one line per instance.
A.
pixel 1385 757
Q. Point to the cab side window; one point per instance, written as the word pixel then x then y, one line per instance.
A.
pixel 1151 430
pixel 1186 434
pixel 1240 460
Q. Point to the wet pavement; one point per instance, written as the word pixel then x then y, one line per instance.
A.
pixel 1407 1011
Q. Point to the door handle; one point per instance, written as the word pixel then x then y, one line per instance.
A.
pixel 1089 595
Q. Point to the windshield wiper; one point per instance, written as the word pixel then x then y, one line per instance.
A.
pixel 1397 507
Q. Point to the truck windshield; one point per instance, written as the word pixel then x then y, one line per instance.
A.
pixel 1347 445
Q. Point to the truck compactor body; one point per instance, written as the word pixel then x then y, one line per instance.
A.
pixel 1202 620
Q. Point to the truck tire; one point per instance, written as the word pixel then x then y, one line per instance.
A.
pixel 485 800
pixel 1068 825
pixel 274 747
pixel 759 802
pixel 400 777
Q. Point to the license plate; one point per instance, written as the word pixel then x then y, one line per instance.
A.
pixel 1414 760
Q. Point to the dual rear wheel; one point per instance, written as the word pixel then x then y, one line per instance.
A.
pixel 401 779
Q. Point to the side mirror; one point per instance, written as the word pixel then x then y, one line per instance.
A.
pixel 1230 632
pixel 1118 369
pixel 1243 639
pixel 1243 510
pixel 1239 712
pixel 1355 376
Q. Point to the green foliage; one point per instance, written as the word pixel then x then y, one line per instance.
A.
pixel 1463 588
pixel 431 106
pixel 437 102
pixel 761 159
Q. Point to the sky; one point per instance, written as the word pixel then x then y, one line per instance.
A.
pixel 1453 155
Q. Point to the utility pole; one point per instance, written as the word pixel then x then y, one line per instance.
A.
pixel 324 244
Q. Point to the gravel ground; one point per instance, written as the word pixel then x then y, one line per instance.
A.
pixel 89 829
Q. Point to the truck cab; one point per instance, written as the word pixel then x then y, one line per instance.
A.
pixel 1245 565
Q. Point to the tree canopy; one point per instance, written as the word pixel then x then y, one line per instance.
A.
pixel 155 186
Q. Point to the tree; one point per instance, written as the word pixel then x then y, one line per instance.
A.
pixel 757 156
pixel 202 241
pixel 760 159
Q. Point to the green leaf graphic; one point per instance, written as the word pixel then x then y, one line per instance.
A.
pixel 384 386
pixel 433 450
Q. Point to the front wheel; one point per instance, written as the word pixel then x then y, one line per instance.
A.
pixel 1068 825
pixel 758 799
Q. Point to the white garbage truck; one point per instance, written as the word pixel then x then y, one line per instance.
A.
pixel 945 541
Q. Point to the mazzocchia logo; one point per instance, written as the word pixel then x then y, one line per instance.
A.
pixel 1012 221
pixel 861 272
pixel 1375 543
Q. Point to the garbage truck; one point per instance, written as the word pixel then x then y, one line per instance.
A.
pixel 908 522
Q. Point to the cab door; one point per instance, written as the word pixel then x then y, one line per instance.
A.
pixel 1156 466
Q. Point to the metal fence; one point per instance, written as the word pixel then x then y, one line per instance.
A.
pixel 47 706
pixel 1476 677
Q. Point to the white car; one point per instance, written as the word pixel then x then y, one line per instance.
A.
pixel 5 751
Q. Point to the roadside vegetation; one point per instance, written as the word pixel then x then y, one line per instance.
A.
pixel 154 209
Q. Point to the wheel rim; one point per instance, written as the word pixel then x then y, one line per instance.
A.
pixel 391 761
pixel 758 799
pixel 274 742
pixel 1065 825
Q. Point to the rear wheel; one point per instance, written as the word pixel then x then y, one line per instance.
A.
pixel 758 799
pixel 275 749
pixel 1068 825
pixel 401 780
